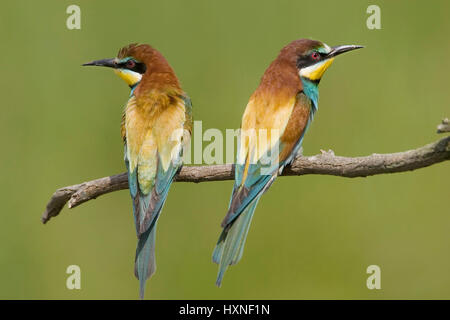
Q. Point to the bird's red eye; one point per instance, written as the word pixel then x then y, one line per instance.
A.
pixel 315 55
pixel 130 64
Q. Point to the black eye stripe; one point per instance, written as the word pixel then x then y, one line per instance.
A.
pixel 307 60
pixel 138 67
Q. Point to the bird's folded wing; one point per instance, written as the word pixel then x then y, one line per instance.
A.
pixel 154 160
pixel 260 145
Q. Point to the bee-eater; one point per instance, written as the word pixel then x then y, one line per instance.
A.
pixel 156 125
pixel 273 126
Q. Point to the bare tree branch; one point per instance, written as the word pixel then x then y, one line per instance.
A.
pixel 325 163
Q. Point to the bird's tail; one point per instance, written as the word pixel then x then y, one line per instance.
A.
pixel 145 264
pixel 230 247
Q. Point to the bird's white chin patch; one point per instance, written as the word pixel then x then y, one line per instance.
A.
pixel 316 71
pixel 130 77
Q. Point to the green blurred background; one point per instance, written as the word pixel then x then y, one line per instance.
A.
pixel 312 236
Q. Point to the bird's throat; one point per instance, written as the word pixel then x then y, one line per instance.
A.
pixel 130 77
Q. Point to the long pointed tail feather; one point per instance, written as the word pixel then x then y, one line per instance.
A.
pixel 145 263
pixel 230 247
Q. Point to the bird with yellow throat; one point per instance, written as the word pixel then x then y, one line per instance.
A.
pixel 274 123
pixel 156 126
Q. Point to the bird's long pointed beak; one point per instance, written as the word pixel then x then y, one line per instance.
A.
pixel 111 63
pixel 335 51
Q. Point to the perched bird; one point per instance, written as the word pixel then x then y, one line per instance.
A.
pixel 272 129
pixel 156 125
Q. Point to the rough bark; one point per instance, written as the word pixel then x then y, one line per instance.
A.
pixel 325 163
